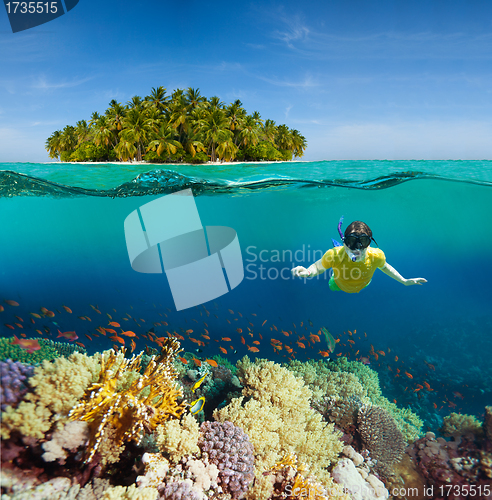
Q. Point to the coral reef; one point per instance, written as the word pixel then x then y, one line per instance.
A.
pixel 16 353
pixel 57 386
pixel 69 438
pixel 177 438
pixel 145 403
pixel 13 386
pixel 459 463
pixel 457 424
pixel 275 413
pixel 359 487
pixel 288 477
pixel 63 348
pixel 381 437
pixel 229 448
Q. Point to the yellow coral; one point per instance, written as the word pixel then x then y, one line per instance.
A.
pixel 178 438
pixel 141 405
pixel 278 419
pixel 457 424
pixel 57 387
pixel 130 493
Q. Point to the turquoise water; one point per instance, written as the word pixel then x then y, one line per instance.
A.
pixel 62 242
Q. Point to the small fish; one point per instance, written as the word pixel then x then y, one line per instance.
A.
pixel 314 338
pixel 134 346
pixel 197 405
pixel 199 382
pixel 30 345
pixel 427 386
pixel 183 360
pixel 129 334
pixel 223 350
pixel 110 330
pixel 80 344
pixel 263 324
pixel 11 302
pixel 365 360
pixel 396 358
pixel 409 375
pixel 2 308
pixel 82 317
pixel 197 362
pixel 253 349
pixel 239 330
pixel 36 315
pixel 242 340
pixel 458 395
pixel 325 354
pixel 117 339
pixel 212 362
pixel 68 335
pixel 189 331
pixel 198 350
pixel 301 345
pixel 49 314
pixel 113 323
pixel 434 405
pixel 257 342
pixel 226 339
pixel 67 309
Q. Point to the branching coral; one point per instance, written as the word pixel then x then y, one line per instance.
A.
pixel 57 386
pixel 141 405
pixel 456 424
pixel 177 438
pixel 290 481
pixel 278 419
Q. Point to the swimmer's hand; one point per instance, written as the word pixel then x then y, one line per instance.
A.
pixel 300 271
pixel 415 281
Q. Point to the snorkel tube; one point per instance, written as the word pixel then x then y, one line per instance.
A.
pixel 353 257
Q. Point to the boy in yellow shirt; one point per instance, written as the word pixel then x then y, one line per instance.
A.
pixel 354 263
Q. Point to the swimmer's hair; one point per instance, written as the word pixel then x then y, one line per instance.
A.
pixel 358 227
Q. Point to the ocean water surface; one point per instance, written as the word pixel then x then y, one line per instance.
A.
pixel 62 242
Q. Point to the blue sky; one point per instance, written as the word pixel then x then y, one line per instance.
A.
pixel 359 79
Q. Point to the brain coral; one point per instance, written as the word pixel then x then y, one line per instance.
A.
pixel 229 448
pixel 274 411
pixel 381 437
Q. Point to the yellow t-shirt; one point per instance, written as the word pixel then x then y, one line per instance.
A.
pixel 352 277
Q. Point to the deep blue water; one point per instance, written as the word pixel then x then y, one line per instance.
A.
pixel 62 242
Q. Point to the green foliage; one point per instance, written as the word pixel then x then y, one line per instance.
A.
pixel 183 127
pixel 198 158
pixel 88 151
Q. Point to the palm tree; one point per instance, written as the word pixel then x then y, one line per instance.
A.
pixel 165 140
pixel 53 144
pixel 250 133
pixel 195 99
pixel 214 129
pixel 136 128
pixel 135 102
pixel 115 113
pixel 299 143
pixel 269 130
pixel 283 139
pixel 68 139
pixel 157 99
pixel 103 134
pixel 82 131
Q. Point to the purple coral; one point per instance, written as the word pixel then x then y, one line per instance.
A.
pixel 13 377
pixel 229 448
pixel 179 490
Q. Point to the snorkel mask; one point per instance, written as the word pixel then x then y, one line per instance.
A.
pixel 356 243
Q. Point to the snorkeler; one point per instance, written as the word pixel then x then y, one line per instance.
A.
pixel 354 262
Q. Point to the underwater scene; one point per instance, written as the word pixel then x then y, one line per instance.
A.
pixel 260 384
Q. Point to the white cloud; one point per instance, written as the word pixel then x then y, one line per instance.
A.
pixel 43 84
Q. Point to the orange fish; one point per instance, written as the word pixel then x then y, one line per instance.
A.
pixel 301 345
pixel 325 354
pixel 68 335
pixel 409 375
pixel 434 405
pixel 67 309
pixel 197 362
pixel 382 353
pixel 113 323
pixel 239 330
pixel 226 339
pixel 80 344
pixel 30 345
pixel 117 339
pixel 285 333
pixel 36 315
pixel 314 338
pixel 257 342
pixel 288 349
pixel 275 341
pixel 263 324
pixel 189 331
pixel 50 314
pixel 396 358
pixel 205 336
pixel 243 341
pixel 11 302
pixel 134 346
pixel 212 362
pixel 223 350
pixel 253 349
pixel 129 334
pixel 88 336
pixel 18 325
pixel 427 386
pixel 183 360
pixel 2 308
pixel 353 342
pixel 231 311
pixel 394 401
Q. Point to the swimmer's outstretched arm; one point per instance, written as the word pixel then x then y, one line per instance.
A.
pixel 393 273
pixel 312 271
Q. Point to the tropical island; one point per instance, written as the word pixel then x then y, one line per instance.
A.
pixel 183 127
